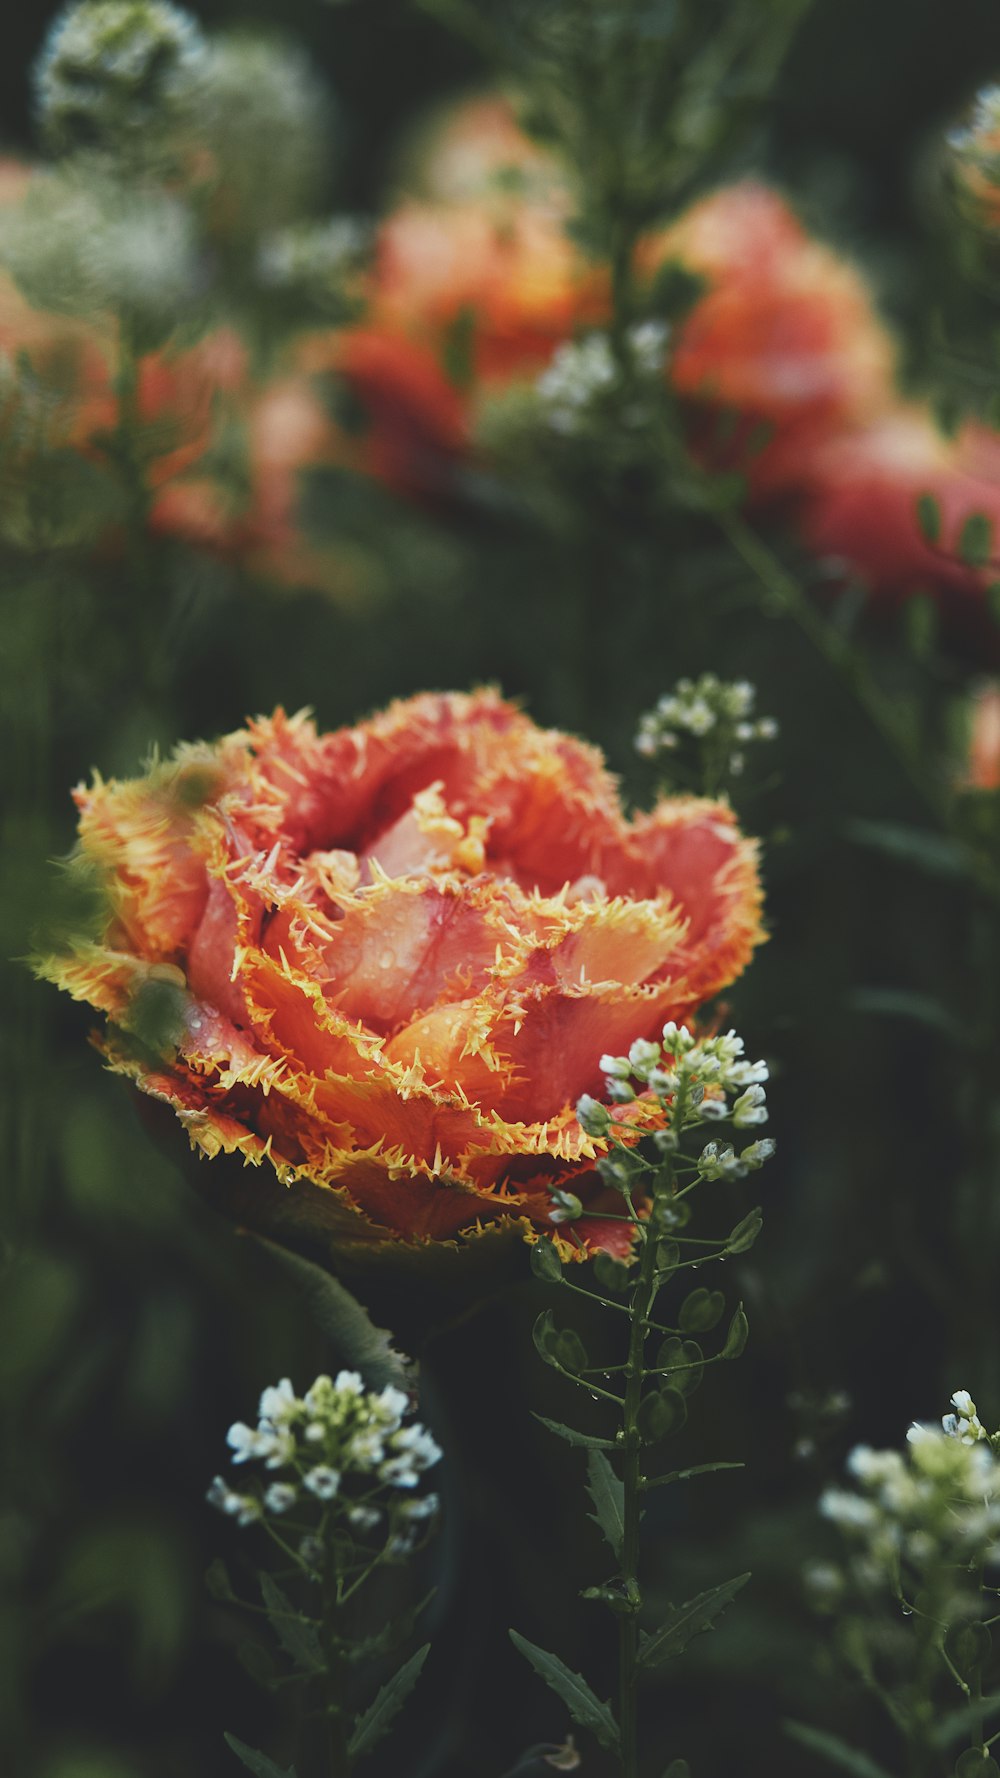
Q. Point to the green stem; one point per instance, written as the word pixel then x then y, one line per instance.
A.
pixel 337 1737
pixel 628 1648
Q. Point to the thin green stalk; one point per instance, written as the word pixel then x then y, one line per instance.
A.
pixel 632 1481
pixel 337 1738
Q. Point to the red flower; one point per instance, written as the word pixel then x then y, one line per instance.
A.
pixel 396 953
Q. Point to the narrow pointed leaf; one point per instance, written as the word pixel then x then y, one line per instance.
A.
pixel 345 1322
pixel 587 1441
pixel 257 1763
pixel 580 1701
pixel 608 1496
pixel 297 1638
pixel 689 1620
pixel 838 1752
pixel 682 1475
pixel 377 1720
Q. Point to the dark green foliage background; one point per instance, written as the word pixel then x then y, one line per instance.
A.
pixel 134 1327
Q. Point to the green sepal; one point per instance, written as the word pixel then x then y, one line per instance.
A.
pixel 583 1705
pixel 688 1621
pixel 701 1310
pixel 607 1492
pixel 545 1261
pixel 660 1412
pixel 739 1333
pixel 745 1233
pixel 376 1721
pixel 586 1441
pixel 257 1763
pixel 297 1637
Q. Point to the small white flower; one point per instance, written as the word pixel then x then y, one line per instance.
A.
pixel 280 1404
pixel 248 1443
pixel 350 1384
pixel 322 1481
pixel 364 1518
pixel 365 1449
pixel 750 1107
pixel 280 1497
pixel 246 1509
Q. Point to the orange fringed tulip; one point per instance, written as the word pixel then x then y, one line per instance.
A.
pixel 395 953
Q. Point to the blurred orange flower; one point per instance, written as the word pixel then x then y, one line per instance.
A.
pixel 395 953
pixel 785 333
pixel 862 492
pixel 983 771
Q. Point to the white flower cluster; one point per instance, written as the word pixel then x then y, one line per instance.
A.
pixel 314 258
pixel 706 1072
pixel 90 248
pixel 265 118
pixel 937 1504
pixel 975 138
pixel 700 707
pixel 339 1444
pixel 709 1068
pixel 111 69
pixel 583 370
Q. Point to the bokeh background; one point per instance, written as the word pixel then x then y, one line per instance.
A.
pixel 134 1326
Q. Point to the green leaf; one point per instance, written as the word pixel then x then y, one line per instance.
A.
pixel 359 1344
pixel 701 1310
pixel 838 1752
pixel 580 1701
pixel 930 852
pixel 297 1637
pixel 678 1768
pixel 687 1621
pixel 585 1440
pixel 972 1763
pixel 929 519
pixel 683 1475
pixel 376 1721
pixel 975 540
pixel 661 1412
pixel 902 1003
pixel 739 1333
pixel 957 1722
pixel 217 1582
pixel 608 1495
pixel 257 1763
pixel 545 1261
